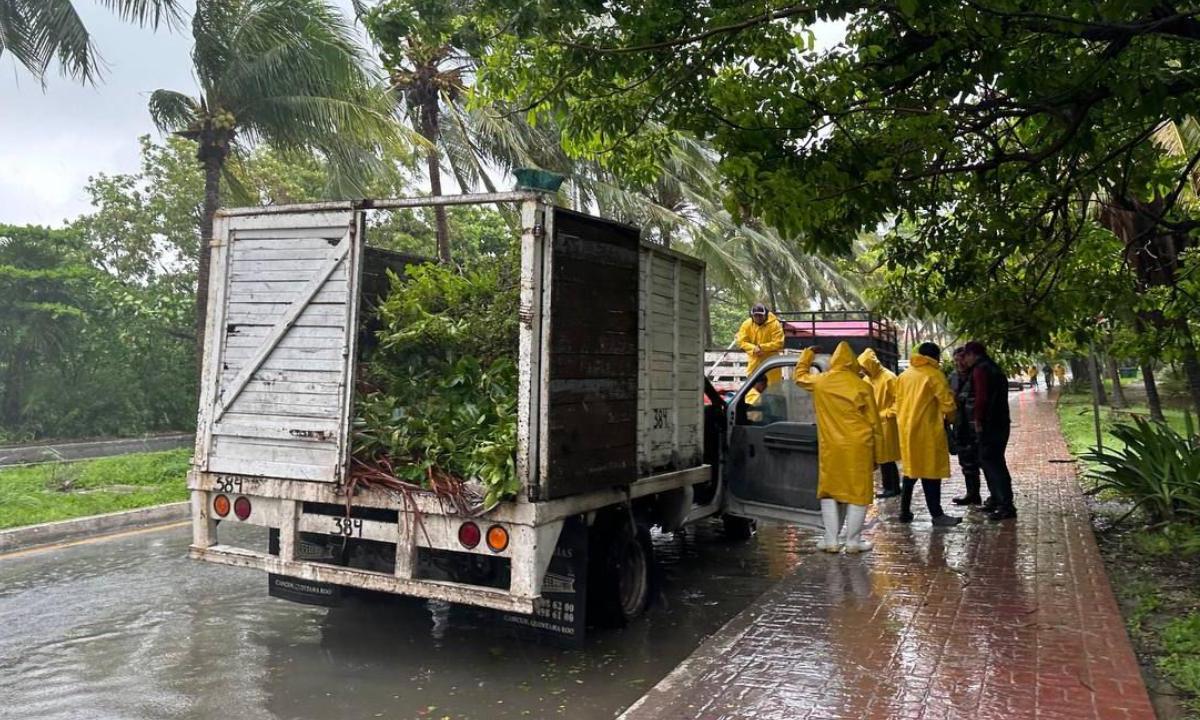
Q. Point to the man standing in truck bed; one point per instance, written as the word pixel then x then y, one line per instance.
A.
pixel 761 336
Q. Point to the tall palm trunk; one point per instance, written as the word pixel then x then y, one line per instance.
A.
pixel 1114 375
pixel 431 131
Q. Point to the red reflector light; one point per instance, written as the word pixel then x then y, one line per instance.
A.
pixel 221 505
pixel 469 535
pixel 241 508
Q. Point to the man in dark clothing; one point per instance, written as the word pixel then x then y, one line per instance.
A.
pixel 964 434
pixel 991 423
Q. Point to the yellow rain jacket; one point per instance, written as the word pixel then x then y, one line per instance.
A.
pixel 1060 372
pixel 883 382
pixel 761 342
pixel 848 432
pixel 924 403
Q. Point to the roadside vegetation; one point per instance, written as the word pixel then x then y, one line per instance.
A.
pixel 62 491
pixel 1144 489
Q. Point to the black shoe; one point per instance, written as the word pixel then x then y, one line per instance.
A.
pixel 887 494
pixel 1002 514
pixel 946 521
pixel 968 500
pixel 988 506
pixel 905 517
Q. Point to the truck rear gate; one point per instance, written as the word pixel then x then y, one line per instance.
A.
pixel 610 384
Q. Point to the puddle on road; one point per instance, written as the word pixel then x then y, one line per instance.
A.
pixel 131 629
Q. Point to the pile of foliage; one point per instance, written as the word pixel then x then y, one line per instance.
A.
pixel 437 400
pixel 1158 469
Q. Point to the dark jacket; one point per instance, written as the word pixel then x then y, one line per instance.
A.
pixel 990 392
pixel 961 386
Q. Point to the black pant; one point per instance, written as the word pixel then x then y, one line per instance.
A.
pixel 933 496
pixel 992 444
pixel 891 477
pixel 968 460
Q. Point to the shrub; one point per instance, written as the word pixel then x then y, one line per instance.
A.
pixel 439 392
pixel 1158 469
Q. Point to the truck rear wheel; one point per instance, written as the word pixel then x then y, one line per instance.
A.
pixel 619 576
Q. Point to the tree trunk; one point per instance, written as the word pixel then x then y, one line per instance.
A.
pixel 431 131
pixel 212 160
pixel 1118 392
pixel 1152 398
pixel 1191 371
pixel 1097 384
pixel 13 402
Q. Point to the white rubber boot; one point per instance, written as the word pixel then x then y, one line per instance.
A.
pixel 841 523
pixel 830 519
pixel 855 515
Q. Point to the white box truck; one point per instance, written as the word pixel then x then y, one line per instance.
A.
pixel 615 432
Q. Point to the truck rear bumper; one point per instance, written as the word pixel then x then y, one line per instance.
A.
pixel 430 589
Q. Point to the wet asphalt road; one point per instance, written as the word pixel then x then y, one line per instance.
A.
pixel 129 628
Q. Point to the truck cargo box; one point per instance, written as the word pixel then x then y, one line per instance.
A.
pixel 610 352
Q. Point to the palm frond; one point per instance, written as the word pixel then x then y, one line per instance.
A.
pixel 39 32
pixel 172 111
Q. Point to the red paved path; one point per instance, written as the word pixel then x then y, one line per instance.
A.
pixel 1009 620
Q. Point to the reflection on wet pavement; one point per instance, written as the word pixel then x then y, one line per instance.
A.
pixel 129 628
pixel 1009 620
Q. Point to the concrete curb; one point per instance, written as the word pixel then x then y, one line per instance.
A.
pixel 23 538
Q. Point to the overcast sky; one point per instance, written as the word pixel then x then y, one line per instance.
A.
pixel 53 139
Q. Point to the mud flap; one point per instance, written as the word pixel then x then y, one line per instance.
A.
pixel 307 592
pixel 560 615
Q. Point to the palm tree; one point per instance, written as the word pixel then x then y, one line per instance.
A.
pixel 285 72
pixel 37 32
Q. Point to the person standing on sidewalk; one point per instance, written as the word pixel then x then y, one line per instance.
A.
pixel 992 424
pixel 964 433
pixel 924 403
pixel 1048 373
pixel 848 440
pixel 883 383
pixel 1031 373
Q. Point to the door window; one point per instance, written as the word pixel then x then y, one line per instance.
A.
pixel 780 401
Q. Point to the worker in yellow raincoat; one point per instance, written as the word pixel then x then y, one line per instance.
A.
pixel 924 404
pixel 1060 374
pixel 848 439
pixel 761 336
pixel 883 382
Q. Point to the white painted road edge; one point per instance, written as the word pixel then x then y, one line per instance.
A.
pixel 23 538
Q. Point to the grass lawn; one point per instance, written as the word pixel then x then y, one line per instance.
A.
pixel 1075 416
pixel 61 491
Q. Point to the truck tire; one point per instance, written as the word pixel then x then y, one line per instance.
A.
pixel 738 528
pixel 619 574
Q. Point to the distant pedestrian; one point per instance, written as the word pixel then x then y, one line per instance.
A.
pixel 992 425
pixel 924 403
pixel 964 435
pixel 848 441
pixel 1048 373
pixel 883 382
pixel 1031 373
pixel 1060 374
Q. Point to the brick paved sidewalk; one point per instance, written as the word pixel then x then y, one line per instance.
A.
pixel 1010 620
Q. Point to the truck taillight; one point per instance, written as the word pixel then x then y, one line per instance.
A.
pixel 497 538
pixel 221 505
pixel 469 535
pixel 241 508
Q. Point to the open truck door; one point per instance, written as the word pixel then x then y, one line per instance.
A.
pixel 770 469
